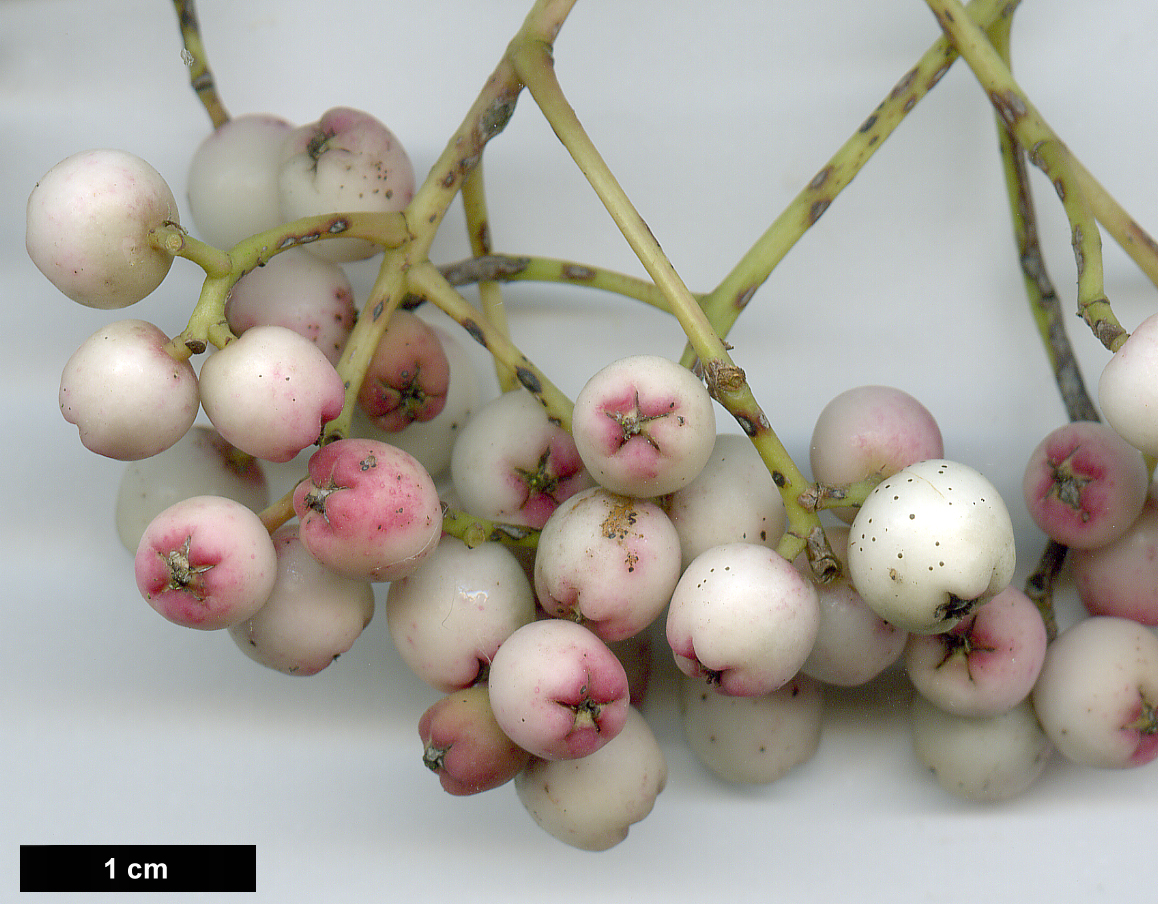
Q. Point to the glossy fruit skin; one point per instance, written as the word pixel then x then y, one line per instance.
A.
pixel 743 617
pixel 930 544
pixel 128 397
pixel 450 615
pixel 732 500
pixel 88 225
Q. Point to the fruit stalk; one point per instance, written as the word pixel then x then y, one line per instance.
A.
pixel 726 382
pixel 200 75
pixel 1047 152
pixel 474 203
pixel 529 268
pixel 725 302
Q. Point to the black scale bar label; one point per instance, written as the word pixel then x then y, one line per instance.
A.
pixel 82 868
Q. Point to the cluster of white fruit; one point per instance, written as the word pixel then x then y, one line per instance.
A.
pixel 641 514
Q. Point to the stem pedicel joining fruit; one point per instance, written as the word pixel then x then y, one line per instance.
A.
pixel 624 502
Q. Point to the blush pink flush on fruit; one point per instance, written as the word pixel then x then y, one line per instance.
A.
pixel 644 426
pixel 987 663
pixel 1084 485
pixel 207 562
pixel 1121 578
pixel 557 690
pixel 555 476
pixel 871 431
pixel 368 510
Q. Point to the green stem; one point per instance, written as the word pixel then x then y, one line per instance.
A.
pixel 1134 240
pixel 1047 152
pixel 425 280
pixel 725 303
pixel 476 531
pixel 515 268
pixel 726 382
pixel 174 240
pixel 1039 289
pixel 200 76
pixel 474 205
pixel 207 324
pixel 1047 313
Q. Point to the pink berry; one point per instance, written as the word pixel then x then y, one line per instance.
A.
pixel 270 392
pixel 511 463
pixel 644 426
pixel 368 510
pixel 88 225
pixel 1084 485
pixel 128 397
pixel 207 562
pixel 346 161
pixel 464 745
pixel 557 690
pixel 408 376
pixel 1121 578
pixel 432 442
pixel 986 664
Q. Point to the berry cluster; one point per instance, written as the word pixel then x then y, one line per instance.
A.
pixel 542 554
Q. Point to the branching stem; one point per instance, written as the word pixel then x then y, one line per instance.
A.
pixel 1047 152
pixel 490 292
pixel 725 302
pixel 515 268
pixel 200 76
pixel 426 280
pixel 726 382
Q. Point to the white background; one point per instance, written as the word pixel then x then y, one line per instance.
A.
pixel 121 728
